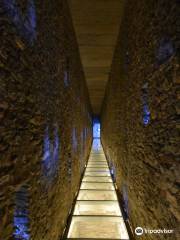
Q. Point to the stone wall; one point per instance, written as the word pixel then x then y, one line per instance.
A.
pixel 45 118
pixel 140 116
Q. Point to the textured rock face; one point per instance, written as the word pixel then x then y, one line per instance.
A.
pixel 45 123
pixel 140 112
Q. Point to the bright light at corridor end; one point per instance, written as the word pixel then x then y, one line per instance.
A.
pixel 97 214
pixel 96 128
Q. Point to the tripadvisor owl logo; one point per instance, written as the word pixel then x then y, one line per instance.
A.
pixel 139 231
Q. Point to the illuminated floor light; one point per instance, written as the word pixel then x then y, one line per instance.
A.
pixel 97 170
pixel 96 179
pixel 97 208
pixel 97 166
pixel 98 227
pixel 96 195
pixel 97 213
pixel 97 174
pixel 95 185
pixel 97 163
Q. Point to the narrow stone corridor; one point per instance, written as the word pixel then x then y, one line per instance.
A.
pixel 97 213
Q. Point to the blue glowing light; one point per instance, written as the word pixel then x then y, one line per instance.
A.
pixel 146 110
pixel 50 155
pixel 21 219
pixel 96 134
pixel 125 201
pixel 146 115
pixel 96 130
pixel 112 169
pixel 25 24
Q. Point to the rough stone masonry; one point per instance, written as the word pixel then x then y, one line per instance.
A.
pixel 140 128
pixel 45 118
